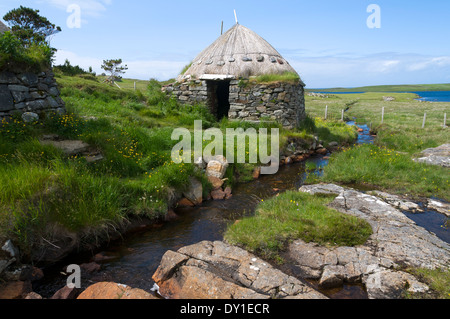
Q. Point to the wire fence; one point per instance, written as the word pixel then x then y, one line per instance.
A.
pixel 383 117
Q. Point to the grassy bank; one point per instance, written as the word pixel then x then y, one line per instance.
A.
pixel 292 216
pixel 381 168
pixel 41 188
pixel 400 138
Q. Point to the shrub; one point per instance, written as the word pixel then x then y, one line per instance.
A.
pixel 14 54
pixel 69 70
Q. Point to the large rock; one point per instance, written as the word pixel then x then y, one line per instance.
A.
pixel 66 293
pixel 194 192
pixel 216 270
pixel 396 242
pixel 390 284
pixel 15 290
pixel 439 156
pixel 30 117
pixel 215 182
pixel 217 166
pixel 8 255
pixel 110 290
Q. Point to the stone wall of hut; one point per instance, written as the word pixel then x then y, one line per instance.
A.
pixel 29 92
pixel 281 101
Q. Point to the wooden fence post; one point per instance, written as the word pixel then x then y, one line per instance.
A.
pixel 342 117
pixel 424 120
pixel 445 120
pixel 326 112
pixel 382 116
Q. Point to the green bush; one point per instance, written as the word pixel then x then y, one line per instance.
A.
pixel 14 54
pixel 69 70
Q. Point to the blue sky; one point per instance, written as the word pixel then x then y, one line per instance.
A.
pixel 328 42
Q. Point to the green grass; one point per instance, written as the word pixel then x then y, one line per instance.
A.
pixel 438 280
pixel 389 164
pixel 294 215
pixel 269 78
pixel 388 170
pixel 137 178
pixel 185 68
pixel 402 126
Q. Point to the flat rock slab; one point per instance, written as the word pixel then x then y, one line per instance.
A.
pixel 216 270
pixel 69 148
pixel 396 242
pixel 436 156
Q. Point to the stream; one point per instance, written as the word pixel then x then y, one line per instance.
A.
pixel 134 259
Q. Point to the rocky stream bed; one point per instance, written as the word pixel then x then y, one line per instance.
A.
pixel 187 258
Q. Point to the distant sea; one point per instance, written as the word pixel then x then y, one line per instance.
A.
pixel 432 96
pixel 429 96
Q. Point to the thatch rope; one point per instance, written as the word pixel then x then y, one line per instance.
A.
pixel 239 52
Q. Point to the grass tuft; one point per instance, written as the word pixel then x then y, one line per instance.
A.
pixel 292 216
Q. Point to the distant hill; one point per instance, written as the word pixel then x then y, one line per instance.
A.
pixel 389 88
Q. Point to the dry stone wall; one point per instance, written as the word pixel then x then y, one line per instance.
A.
pixel 280 101
pixel 189 93
pixel 29 92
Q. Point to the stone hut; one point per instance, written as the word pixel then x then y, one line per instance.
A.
pixel 225 77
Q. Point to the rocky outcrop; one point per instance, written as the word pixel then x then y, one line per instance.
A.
pixel 109 291
pixel 397 242
pixel 216 270
pixel 439 156
pixel 439 206
pixel 216 166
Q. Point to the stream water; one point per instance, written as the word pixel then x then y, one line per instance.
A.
pixel 134 259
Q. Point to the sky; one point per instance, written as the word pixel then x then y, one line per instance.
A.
pixel 330 43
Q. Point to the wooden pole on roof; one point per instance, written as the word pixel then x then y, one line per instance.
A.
pixel 221 30
pixel 235 17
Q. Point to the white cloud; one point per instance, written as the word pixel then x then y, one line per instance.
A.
pixel 443 61
pixel 382 68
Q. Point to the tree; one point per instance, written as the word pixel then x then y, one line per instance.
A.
pixel 114 68
pixel 29 26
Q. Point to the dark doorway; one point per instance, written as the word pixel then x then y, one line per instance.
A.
pixel 219 98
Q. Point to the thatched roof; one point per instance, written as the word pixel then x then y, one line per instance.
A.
pixel 239 52
pixel 3 27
